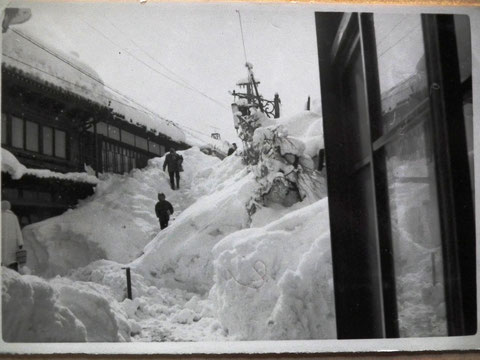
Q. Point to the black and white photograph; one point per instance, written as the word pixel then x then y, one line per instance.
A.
pixel 237 173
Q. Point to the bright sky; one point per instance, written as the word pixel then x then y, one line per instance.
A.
pixel 197 43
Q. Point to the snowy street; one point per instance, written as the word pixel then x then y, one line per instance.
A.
pixel 215 270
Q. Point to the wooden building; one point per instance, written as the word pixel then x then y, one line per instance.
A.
pixel 58 115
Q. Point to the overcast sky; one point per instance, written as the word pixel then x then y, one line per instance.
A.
pixel 199 44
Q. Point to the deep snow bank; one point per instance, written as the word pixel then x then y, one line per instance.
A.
pixel 180 256
pixel 115 223
pixel 59 310
pixel 31 312
pixel 275 282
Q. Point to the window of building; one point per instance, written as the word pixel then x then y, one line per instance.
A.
pixel 60 144
pixel 128 138
pixel 17 132
pixel 154 148
pixel 102 129
pixel 4 129
pixel 113 132
pixel 31 136
pixel 162 150
pixel 141 143
pixel 47 140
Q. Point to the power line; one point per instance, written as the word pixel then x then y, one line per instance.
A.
pixel 147 54
pixel 74 84
pixel 181 127
pixel 155 70
pixel 391 30
pixel 397 42
pixel 143 109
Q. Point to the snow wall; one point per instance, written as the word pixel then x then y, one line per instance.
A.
pixel 115 223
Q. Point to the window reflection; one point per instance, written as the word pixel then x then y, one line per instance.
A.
pixel 412 191
pixel 402 74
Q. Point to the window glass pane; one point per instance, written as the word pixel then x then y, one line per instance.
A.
pixel 141 143
pixel 416 238
pixel 128 138
pixel 32 136
pixel 113 132
pixel 4 128
pixel 464 49
pixel 153 147
pixel 102 128
pixel 401 65
pixel 60 144
pixel 17 132
pixel 162 150
pixel 47 140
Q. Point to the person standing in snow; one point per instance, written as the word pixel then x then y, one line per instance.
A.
pixel 12 239
pixel 174 162
pixel 163 210
pixel 232 149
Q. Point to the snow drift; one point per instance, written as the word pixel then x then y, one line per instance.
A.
pixel 181 256
pixel 115 223
pixel 275 282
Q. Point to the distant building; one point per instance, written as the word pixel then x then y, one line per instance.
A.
pixel 58 115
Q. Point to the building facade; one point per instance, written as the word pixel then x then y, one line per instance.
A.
pixel 57 115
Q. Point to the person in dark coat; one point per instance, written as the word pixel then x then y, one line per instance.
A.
pixel 232 149
pixel 163 210
pixel 174 163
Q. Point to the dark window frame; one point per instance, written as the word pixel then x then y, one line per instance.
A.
pixel 452 171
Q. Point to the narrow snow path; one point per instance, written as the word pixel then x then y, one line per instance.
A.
pixel 173 314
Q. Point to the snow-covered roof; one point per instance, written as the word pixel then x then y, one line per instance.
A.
pixel 31 56
pixel 12 166
pixel 143 118
pixel 34 58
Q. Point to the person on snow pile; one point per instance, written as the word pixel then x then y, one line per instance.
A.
pixel 12 239
pixel 163 210
pixel 174 162
pixel 232 149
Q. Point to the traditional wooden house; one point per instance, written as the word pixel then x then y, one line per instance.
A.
pixel 57 115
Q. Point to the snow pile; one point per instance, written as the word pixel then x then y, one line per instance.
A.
pixel 12 166
pixel 32 312
pixel 281 162
pixel 155 313
pixel 180 256
pixel 307 127
pixel 115 223
pixel 35 310
pixel 275 282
